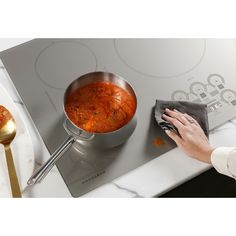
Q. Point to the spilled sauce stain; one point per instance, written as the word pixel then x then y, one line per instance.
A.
pixel 158 142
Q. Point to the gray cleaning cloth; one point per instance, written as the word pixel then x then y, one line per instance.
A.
pixel 196 110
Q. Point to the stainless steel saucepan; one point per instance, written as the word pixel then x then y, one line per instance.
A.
pixel 76 134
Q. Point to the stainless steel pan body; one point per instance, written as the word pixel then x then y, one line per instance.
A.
pixel 76 134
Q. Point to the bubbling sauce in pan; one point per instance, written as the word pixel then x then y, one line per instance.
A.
pixel 100 107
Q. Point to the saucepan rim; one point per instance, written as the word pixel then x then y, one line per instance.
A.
pixel 92 74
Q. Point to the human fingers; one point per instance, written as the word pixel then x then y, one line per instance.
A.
pixel 178 115
pixel 174 137
pixel 175 122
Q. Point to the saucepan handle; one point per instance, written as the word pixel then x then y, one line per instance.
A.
pixel 40 174
pixel 78 132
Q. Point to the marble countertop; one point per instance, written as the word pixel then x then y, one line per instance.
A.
pixel 153 178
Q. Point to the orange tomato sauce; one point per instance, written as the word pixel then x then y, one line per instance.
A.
pixel 5 116
pixel 158 142
pixel 100 107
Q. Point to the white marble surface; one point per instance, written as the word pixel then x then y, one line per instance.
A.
pixel 153 178
pixel 21 148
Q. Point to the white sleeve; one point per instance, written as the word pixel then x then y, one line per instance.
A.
pixel 223 160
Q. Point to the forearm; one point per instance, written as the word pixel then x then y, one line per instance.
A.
pixel 223 160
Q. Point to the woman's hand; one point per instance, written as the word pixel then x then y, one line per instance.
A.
pixel 193 140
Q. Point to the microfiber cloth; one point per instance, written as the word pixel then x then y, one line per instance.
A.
pixel 196 110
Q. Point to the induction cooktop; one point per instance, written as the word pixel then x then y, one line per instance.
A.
pixel 197 70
